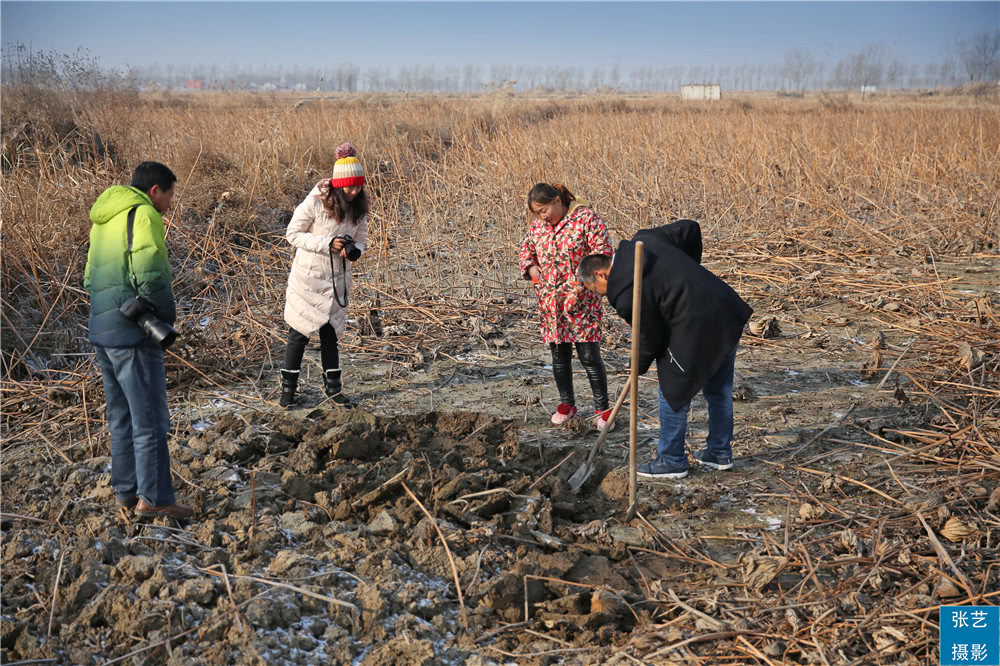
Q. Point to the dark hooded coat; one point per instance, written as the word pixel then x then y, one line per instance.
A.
pixel 690 319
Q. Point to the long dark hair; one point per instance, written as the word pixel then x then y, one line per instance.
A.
pixel 543 193
pixel 337 204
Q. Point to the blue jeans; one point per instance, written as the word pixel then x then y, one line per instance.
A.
pixel 718 392
pixel 135 389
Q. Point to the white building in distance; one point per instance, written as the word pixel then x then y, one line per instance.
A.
pixel 701 91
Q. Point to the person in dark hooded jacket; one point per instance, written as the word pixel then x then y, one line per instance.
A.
pixel 690 324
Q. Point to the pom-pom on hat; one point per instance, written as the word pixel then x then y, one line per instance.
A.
pixel 347 171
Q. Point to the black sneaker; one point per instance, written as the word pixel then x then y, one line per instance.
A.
pixel 709 459
pixel 660 469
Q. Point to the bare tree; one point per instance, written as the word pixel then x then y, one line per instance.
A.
pixel 635 78
pixel 799 66
pixel 614 77
pixel 534 76
pixel 373 78
pixel 470 78
pixel 871 66
pixel 351 75
pixel 980 55
pixel 562 78
pixel 53 69
pixel 426 78
pixel 819 74
pixel 862 69
pixel 726 77
pixel 894 73
pixel 948 72
pixel 597 78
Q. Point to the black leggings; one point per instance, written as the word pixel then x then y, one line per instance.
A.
pixel 590 358
pixel 329 352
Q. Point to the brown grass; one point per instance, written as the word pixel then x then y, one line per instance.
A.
pixel 801 202
pixel 448 178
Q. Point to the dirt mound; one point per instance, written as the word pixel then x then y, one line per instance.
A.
pixel 335 536
pixel 311 547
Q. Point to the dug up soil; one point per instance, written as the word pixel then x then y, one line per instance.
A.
pixel 434 524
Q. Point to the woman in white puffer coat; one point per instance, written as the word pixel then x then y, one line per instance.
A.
pixel 328 231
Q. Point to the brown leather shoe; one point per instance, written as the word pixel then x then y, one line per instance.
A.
pixel 174 510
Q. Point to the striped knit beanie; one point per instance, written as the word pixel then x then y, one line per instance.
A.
pixel 347 171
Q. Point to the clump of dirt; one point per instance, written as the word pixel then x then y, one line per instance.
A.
pixel 311 546
pixel 615 484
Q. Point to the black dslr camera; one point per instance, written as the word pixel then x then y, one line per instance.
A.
pixel 353 252
pixel 143 313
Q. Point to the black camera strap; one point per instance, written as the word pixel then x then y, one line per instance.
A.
pixel 333 279
pixel 128 230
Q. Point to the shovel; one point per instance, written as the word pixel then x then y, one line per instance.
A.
pixel 633 406
pixel 584 471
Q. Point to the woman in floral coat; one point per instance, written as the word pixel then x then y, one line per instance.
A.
pixel 564 232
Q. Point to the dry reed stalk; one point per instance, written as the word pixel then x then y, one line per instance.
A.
pixel 55 592
pixel 294 588
pixel 550 471
pixel 444 542
pixel 20 517
pixel 804 206
pixel 542 653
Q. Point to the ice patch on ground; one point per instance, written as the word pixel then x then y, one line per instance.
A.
pixel 202 425
pixel 773 522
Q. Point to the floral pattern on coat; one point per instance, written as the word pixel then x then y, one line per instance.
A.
pixel 309 297
pixel 568 311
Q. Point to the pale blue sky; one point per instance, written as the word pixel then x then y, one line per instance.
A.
pixel 457 33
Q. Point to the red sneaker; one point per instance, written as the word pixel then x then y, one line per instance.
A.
pixel 563 413
pixel 601 417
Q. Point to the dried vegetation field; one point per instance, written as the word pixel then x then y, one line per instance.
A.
pixel 434 524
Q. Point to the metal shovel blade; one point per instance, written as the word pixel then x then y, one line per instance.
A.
pixel 584 471
pixel 580 476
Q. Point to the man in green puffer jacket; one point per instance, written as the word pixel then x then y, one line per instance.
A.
pixel 135 385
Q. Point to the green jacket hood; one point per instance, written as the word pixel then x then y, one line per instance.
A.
pixel 114 200
pixel 107 276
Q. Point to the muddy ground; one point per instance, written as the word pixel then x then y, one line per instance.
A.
pixel 314 544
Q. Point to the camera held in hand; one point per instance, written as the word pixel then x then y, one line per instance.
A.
pixel 143 313
pixel 353 251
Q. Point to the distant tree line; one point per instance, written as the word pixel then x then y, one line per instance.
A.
pixel 50 69
pixel 974 59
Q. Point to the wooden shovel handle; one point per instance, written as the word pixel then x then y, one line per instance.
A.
pixel 607 426
pixel 633 435
pixel 633 377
